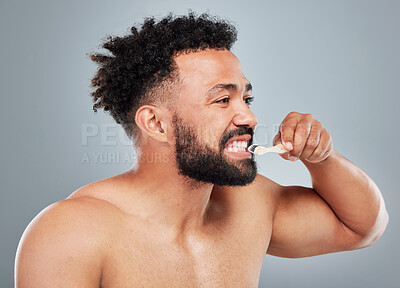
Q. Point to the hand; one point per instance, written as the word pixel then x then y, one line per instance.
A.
pixel 304 137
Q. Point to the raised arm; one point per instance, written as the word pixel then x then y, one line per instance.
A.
pixel 345 209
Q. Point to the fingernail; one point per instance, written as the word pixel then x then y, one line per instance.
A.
pixel 292 158
pixel 288 146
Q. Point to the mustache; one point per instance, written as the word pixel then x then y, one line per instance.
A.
pixel 237 132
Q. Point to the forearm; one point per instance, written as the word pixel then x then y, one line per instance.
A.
pixel 351 194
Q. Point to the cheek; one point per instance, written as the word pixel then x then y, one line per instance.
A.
pixel 210 125
pixel 211 134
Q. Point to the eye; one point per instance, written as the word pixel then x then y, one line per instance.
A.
pixel 223 100
pixel 249 100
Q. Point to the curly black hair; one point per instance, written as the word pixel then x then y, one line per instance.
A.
pixel 142 61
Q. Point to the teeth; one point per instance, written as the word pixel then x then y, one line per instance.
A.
pixel 236 146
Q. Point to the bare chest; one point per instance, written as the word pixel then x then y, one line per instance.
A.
pixel 230 255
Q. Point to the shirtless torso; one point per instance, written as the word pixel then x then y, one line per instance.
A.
pixel 114 247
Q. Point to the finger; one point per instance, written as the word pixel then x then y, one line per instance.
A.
pixel 312 140
pixel 277 140
pixel 324 146
pixel 300 138
pixel 287 129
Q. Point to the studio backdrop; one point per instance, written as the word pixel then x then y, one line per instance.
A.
pixel 338 60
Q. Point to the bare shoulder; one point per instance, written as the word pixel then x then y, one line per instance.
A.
pixel 65 243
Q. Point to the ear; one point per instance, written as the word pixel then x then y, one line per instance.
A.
pixel 152 120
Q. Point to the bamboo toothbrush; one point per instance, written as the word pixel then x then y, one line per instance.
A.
pixel 260 150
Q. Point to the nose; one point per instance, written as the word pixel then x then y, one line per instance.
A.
pixel 244 116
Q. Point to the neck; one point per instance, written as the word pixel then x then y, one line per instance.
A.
pixel 161 196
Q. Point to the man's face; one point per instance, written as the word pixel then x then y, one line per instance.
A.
pixel 213 124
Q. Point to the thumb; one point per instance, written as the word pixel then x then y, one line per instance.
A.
pixel 278 140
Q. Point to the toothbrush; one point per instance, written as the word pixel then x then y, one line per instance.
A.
pixel 260 150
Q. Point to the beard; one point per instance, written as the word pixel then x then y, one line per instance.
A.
pixel 203 163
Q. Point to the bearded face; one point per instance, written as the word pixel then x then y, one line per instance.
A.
pixel 204 163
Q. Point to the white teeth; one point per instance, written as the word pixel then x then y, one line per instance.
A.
pixel 236 146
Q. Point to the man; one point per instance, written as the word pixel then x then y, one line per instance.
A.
pixel 196 214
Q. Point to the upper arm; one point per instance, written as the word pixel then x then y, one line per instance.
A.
pixel 305 225
pixel 59 249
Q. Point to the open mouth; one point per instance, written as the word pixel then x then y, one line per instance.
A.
pixel 237 146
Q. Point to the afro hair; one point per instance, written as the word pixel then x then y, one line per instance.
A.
pixel 140 62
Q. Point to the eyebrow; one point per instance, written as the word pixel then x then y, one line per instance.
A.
pixel 229 86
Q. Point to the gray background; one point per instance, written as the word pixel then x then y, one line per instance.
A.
pixel 338 60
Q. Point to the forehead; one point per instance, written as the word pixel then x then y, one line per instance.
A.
pixel 205 69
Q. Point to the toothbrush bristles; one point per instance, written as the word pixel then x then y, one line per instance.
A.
pixel 252 148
